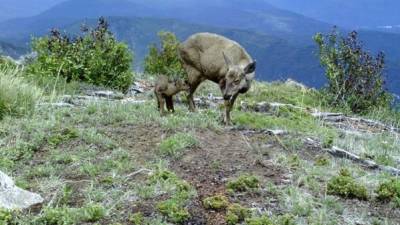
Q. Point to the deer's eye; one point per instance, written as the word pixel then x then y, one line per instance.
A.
pixel 236 81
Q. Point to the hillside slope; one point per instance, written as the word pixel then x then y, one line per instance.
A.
pixel 11 50
pixel 101 161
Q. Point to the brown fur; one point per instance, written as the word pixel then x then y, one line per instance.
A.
pixel 207 56
pixel 165 90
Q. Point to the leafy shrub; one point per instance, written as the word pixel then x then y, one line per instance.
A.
pixel 17 96
pixel 237 213
pixel 6 216
pixel 66 216
pixel 216 202
pixel 93 213
pixel 166 60
pixel 355 78
pixel 389 191
pixel 345 185
pixel 243 183
pixel 173 210
pixel 264 220
pixel 95 57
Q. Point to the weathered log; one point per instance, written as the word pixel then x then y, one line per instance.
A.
pixel 341 153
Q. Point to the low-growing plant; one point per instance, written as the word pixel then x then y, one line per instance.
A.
pixel 173 210
pixel 95 57
pixel 137 219
pixel 216 202
pixel 389 191
pixel 346 186
pixel 63 135
pixel 6 216
pixel 93 213
pixel 173 145
pixel 322 161
pixel 236 214
pixel 17 96
pixel 263 220
pixel 243 183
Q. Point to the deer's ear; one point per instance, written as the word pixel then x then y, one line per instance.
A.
pixel 250 68
pixel 227 60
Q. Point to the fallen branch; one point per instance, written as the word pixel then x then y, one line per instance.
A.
pixel 341 153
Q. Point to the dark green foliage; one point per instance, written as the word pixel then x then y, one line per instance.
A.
pixel 389 191
pixel 166 60
pixel 243 183
pixel 95 57
pixel 346 186
pixel 355 78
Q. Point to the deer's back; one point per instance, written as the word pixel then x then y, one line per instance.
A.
pixel 203 51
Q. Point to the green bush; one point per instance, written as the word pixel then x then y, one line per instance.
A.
pixel 216 202
pixel 355 78
pixel 173 210
pixel 346 186
pixel 243 183
pixel 166 60
pixel 17 96
pixel 237 213
pixel 95 57
pixel 6 216
pixel 389 191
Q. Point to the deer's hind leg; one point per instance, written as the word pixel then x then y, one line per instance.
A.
pixel 194 79
pixel 170 103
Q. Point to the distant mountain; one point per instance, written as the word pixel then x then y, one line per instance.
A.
pixel 11 50
pixel 280 40
pixel 11 9
pixel 255 15
pixel 352 14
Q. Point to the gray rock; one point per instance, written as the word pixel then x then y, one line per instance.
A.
pixel 106 94
pixel 296 84
pixel 13 197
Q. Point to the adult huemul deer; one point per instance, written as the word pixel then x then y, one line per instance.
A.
pixel 207 56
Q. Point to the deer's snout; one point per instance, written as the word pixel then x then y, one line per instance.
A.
pixel 227 97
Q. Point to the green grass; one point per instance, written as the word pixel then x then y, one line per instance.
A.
pixel 17 96
pixel 81 158
pixel 174 145
pixel 283 93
